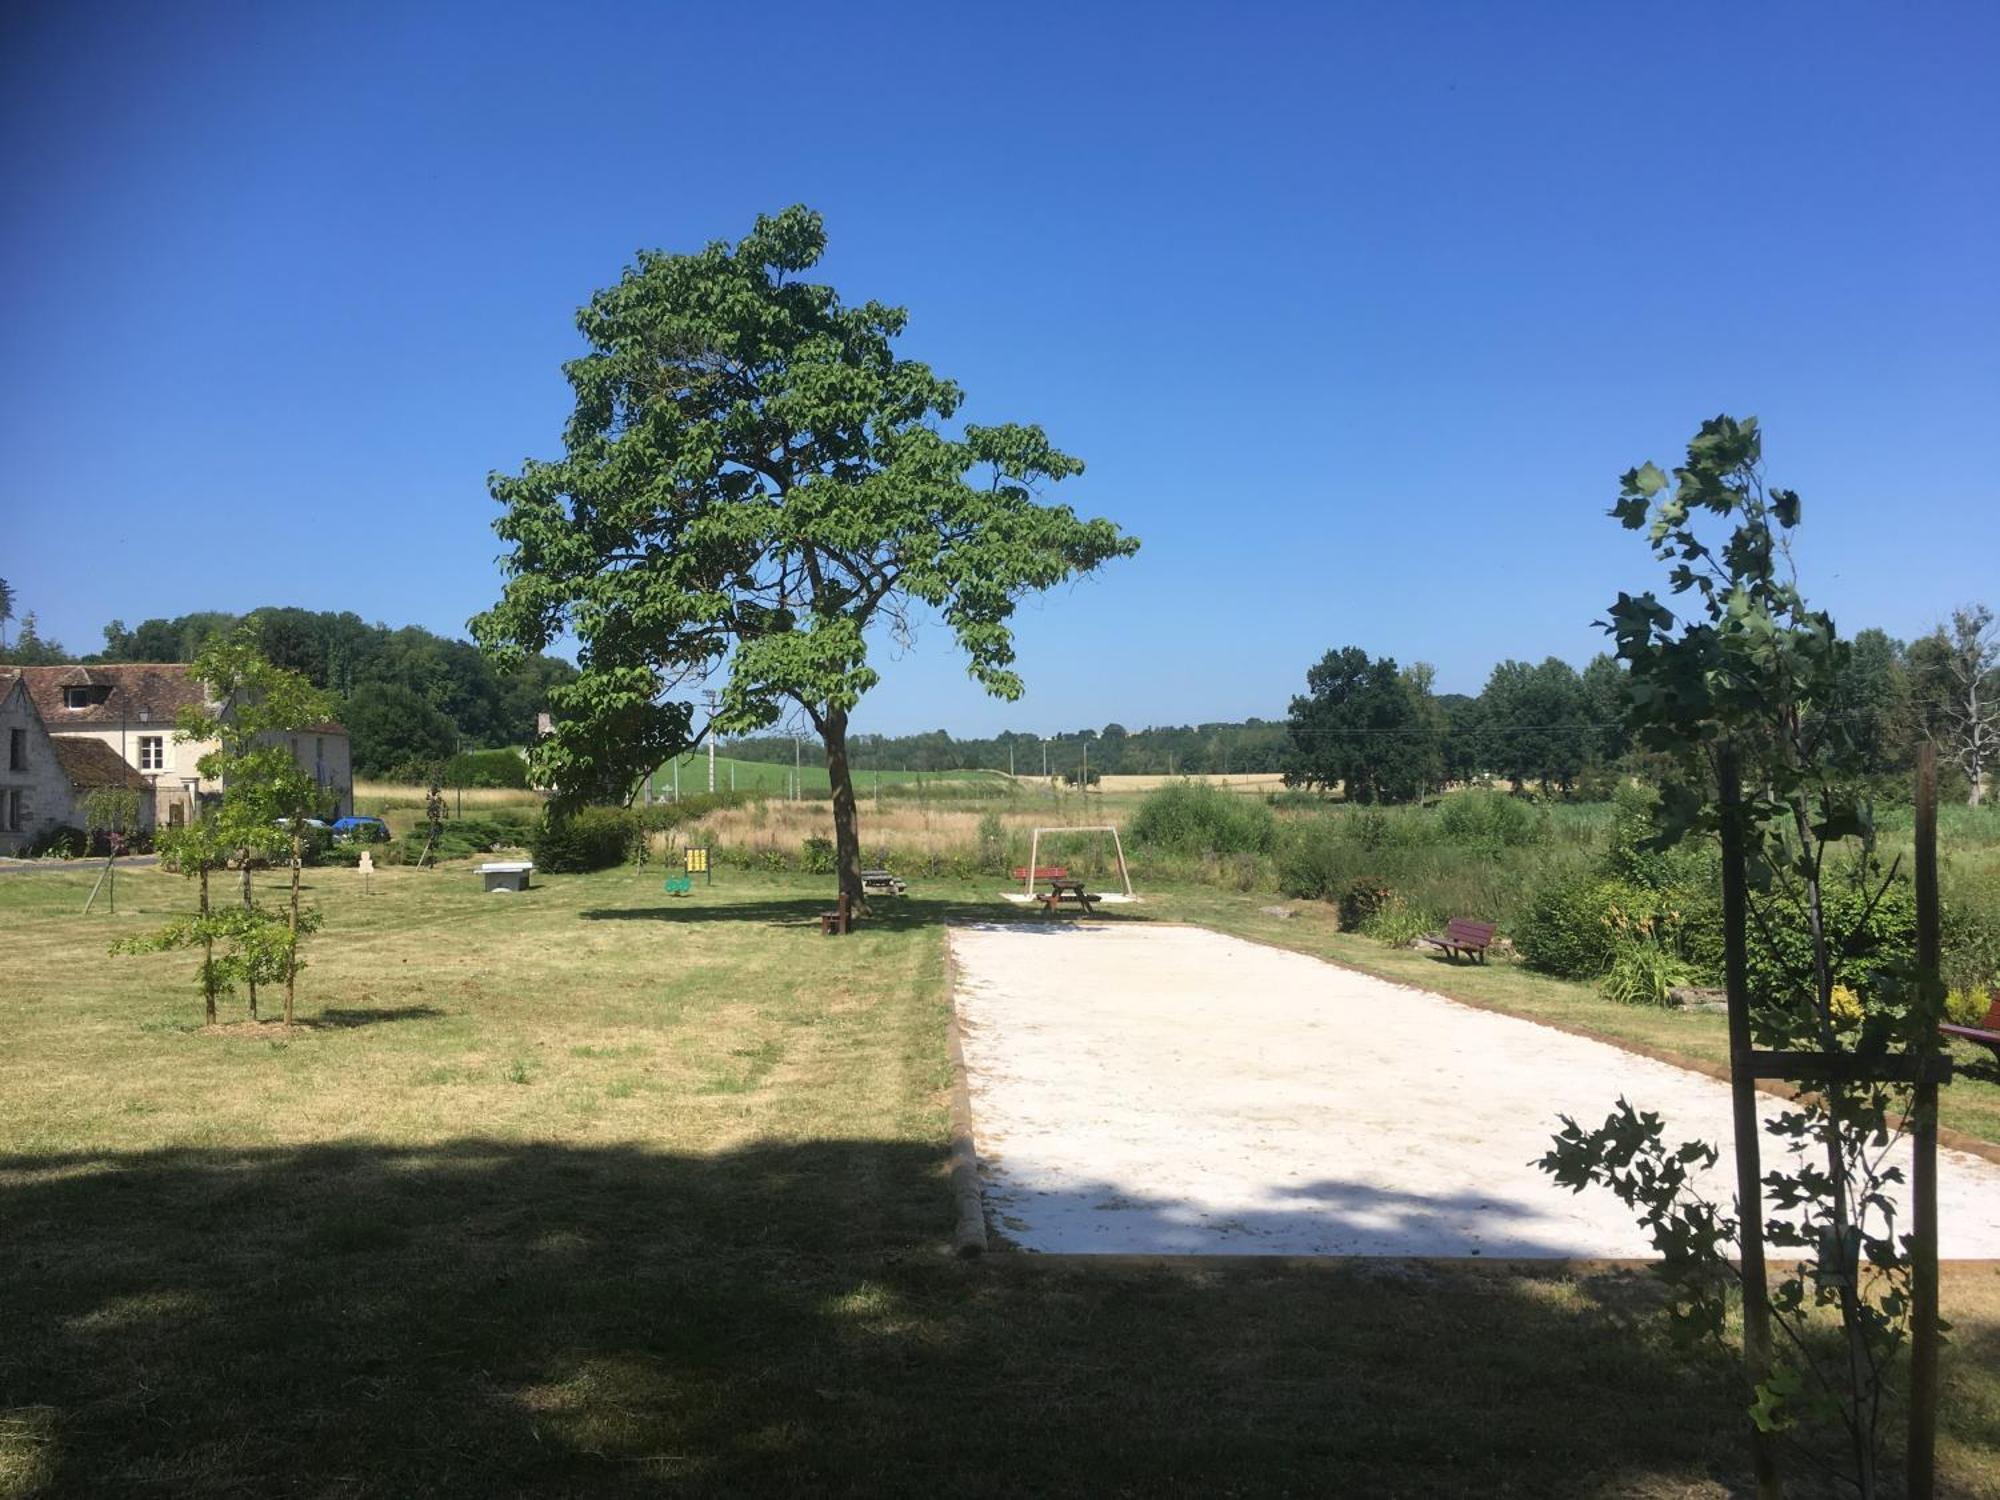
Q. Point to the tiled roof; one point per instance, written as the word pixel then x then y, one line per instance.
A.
pixel 91 763
pixel 156 690
pixel 134 693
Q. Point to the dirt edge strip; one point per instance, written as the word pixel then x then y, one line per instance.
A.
pixel 968 1235
pixel 1956 1140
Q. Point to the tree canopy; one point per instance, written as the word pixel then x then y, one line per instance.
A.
pixel 1362 725
pixel 752 481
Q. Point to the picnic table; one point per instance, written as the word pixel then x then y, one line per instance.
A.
pixel 1062 889
pixel 1069 892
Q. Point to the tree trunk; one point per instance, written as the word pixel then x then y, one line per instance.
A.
pixel 292 947
pixel 250 976
pixel 1844 1251
pixel 846 820
pixel 207 952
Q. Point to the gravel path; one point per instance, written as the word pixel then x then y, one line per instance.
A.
pixel 1172 1089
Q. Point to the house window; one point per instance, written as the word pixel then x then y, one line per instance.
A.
pixel 76 697
pixel 10 809
pixel 152 752
pixel 17 749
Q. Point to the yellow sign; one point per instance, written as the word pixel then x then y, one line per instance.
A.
pixel 697 861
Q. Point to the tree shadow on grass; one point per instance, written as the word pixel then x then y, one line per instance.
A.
pixel 344 1018
pixel 486 1317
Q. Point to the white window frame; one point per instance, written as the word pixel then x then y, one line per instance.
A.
pixel 158 744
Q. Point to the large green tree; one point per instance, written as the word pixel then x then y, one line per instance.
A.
pixel 1534 723
pixel 1360 726
pixel 752 483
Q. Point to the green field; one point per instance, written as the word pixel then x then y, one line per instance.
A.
pixel 592 1191
pixel 758 775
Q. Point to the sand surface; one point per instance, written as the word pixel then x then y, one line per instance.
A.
pixel 1171 1089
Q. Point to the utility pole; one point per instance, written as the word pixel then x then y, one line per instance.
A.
pixel 797 767
pixel 677 778
pixel 708 696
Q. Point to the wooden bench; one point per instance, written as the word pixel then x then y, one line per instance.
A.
pixel 1985 1034
pixel 1040 872
pixel 1462 938
pixel 838 922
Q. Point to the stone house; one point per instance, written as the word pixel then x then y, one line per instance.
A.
pixel 44 781
pixel 131 707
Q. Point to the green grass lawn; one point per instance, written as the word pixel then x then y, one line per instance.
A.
pixel 591 1190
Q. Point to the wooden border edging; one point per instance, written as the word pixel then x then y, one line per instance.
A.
pixel 968 1235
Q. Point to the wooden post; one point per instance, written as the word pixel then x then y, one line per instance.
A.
pixel 1921 1457
pixel 1743 1097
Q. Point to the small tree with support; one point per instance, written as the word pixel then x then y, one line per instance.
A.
pixel 114 812
pixel 1742 699
pixel 267 796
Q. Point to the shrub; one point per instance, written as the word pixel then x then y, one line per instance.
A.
pixel 1312 864
pixel 1634 821
pixel 1967 1007
pixel 818 856
pixel 591 838
pixel 1642 973
pixel 1864 941
pixel 1971 935
pixel 992 842
pixel 1363 898
pixel 59 843
pixel 1191 817
pixel 486 768
pixel 1398 923
pixel 1494 820
pixel 1570 928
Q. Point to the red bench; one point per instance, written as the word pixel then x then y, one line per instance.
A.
pixel 1985 1034
pixel 1041 872
pixel 1462 938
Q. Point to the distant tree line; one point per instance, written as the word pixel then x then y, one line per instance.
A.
pixel 1257 745
pixel 410 698
pixel 1376 730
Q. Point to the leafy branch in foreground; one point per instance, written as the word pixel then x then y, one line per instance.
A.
pixel 1753 672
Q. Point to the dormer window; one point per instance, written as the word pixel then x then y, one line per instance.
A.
pixel 76 697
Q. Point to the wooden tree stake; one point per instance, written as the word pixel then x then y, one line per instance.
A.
pixel 1743 1098
pixel 1921 1458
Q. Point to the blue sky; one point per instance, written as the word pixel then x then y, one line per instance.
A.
pixel 1355 311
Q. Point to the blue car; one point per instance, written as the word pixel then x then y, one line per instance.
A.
pixel 368 830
